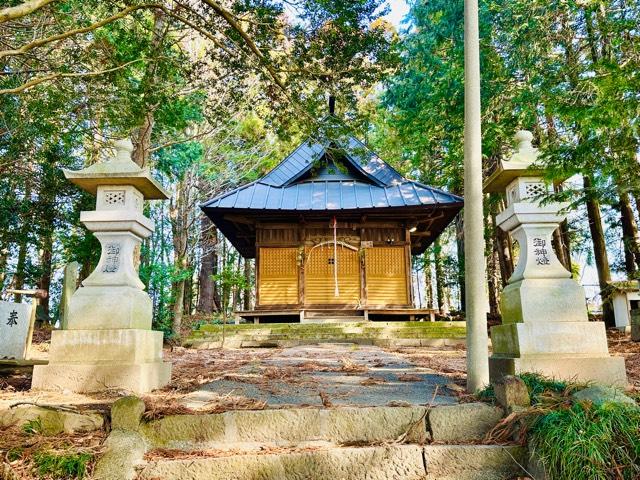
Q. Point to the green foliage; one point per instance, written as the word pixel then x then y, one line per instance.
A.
pixel 15 453
pixel 585 442
pixel 539 385
pixel 62 466
pixel 32 427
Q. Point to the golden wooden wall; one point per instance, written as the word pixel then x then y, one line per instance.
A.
pixel 278 276
pixel 281 282
pixel 386 276
pixel 319 284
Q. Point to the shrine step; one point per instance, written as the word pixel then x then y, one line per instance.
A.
pixel 334 313
pixel 338 319
pixel 397 462
pixel 385 334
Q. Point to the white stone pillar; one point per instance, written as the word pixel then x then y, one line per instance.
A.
pixel 476 298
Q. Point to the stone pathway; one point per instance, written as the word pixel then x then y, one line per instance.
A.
pixel 330 374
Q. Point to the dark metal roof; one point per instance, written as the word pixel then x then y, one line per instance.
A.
pixel 311 183
pixel 356 153
pixel 330 195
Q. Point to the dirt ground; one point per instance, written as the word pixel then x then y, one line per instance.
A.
pixel 193 369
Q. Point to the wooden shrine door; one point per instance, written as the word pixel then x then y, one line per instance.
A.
pixel 278 276
pixel 319 280
pixel 386 276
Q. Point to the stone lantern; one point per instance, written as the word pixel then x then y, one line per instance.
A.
pixel 545 327
pixel 108 343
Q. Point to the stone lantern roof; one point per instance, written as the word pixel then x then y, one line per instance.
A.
pixel 519 165
pixel 120 170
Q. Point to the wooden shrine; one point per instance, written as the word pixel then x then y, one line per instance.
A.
pixel 333 228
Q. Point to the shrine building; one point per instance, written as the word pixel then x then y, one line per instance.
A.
pixel 333 229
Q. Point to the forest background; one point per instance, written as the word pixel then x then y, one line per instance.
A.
pixel 214 93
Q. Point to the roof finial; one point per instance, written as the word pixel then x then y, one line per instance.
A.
pixel 332 105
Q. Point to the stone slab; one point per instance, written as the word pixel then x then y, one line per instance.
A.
pixel 462 423
pixel 557 338
pixel 277 426
pixel 124 451
pixel 379 384
pixel 135 378
pixel 112 347
pixel 543 300
pixel 16 329
pixel 288 427
pixel 605 370
pixel 372 463
pixel 374 424
pixel 109 308
pixel 184 431
pixel 473 462
pixel 52 421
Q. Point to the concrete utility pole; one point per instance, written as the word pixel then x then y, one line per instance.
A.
pixel 475 270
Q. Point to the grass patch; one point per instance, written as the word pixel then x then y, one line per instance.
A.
pixel 572 439
pixel 540 387
pixel 585 442
pixel 32 427
pixel 62 466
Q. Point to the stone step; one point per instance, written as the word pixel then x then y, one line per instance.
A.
pixel 397 462
pixel 346 425
pixel 287 427
pixel 329 320
pixel 333 313
pixel 266 342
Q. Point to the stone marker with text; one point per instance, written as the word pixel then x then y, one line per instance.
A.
pixel 545 327
pixel 15 330
pixel 108 342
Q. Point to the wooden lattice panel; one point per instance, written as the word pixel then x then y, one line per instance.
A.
pixel 278 276
pixel 386 276
pixel 319 283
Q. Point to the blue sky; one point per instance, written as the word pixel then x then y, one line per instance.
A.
pixel 399 9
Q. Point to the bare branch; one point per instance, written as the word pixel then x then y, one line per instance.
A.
pixel 19 11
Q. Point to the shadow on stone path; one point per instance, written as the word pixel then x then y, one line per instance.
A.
pixel 330 375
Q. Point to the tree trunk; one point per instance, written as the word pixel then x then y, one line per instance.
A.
pixel 178 213
pixel 247 285
pixel 237 291
pixel 440 294
pixel 504 249
pixel 18 277
pixel 629 236
pixel 560 239
pixel 142 136
pixel 599 251
pixel 4 256
pixel 208 267
pixel 44 283
pixel 493 281
pixel 178 307
pixel 460 255
pixel 428 281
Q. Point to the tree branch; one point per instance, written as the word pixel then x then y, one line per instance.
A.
pixel 233 23
pixel 43 41
pixel 53 76
pixel 19 11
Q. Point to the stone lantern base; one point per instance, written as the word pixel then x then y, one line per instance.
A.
pixel 98 360
pixel 600 369
pixel 553 338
